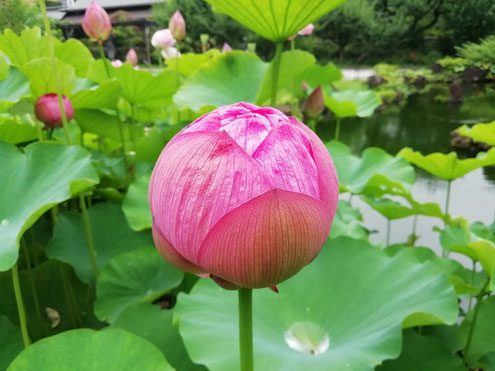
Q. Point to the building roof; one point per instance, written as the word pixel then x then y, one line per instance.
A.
pixel 80 5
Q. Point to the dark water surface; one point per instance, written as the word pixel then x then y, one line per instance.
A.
pixel 425 125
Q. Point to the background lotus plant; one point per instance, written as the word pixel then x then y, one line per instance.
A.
pixel 177 26
pixel 258 189
pixel 47 110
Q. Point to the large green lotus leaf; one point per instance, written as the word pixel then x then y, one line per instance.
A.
pixel 150 145
pixel 34 181
pixel 481 230
pixel 480 132
pixel 458 238
pixel 111 235
pixel 136 207
pixel 14 130
pixel 42 76
pixel 350 103
pixel 275 20
pixel 13 88
pixel 11 341
pixel 346 222
pixel 425 353
pixel 141 88
pixel 155 325
pixel 76 54
pixel 24 48
pixel 391 209
pixel 105 124
pixel 366 174
pixel 447 166
pixel 292 64
pixel 102 96
pixel 483 340
pixel 462 279
pixel 314 76
pixel 189 63
pixel 137 276
pixel 230 78
pixel 4 67
pixel 487 362
pixel 84 349
pixel 51 279
pixel 352 321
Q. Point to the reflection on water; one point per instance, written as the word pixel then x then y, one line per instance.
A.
pixel 425 125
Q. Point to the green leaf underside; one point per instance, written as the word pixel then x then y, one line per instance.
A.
pixel 361 307
pixel 30 184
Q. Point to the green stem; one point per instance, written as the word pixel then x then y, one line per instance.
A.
pixel 276 72
pixel 337 128
pixel 104 59
pixel 293 44
pixel 33 285
pixel 388 232
pixel 20 306
pixel 177 80
pixel 246 329
pixel 312 124
pixel 472 325
pixel 415 222
pixel 445 254
pixel 69 296
pixel 89 236
pixel 473 272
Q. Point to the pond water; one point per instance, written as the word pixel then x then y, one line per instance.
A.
pixel 425 125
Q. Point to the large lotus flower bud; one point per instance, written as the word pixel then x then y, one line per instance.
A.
pixel 47 110
pixel 244 194
pixel 226 48
pixel 306 31
pixel 132 57
pixel 170 53
pixel 116 63
pixel 315 103
pixel 178 26
pixel 163 39
pixel 96 23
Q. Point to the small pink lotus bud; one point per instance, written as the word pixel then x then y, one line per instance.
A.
pixel 245 194
pixel 170 53
pixel 304 86
pixel 96 23
pixel 116 63
pixel 132 57
pixel 47 110
pixel 226 48
pixel 315 103
pixel 178 26
pixel 163 39
pixel 306 31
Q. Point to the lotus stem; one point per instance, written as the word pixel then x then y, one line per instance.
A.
pixel 89 236
pixel 473 272
pixel 104 59
pixel 293 44
pixel 33 286
pixel 276 72
pixel 445 254
pixel 388 231
pixel 69 296
pixel 20 306
pixel 246 329
pixel 337 129
pixel 465 352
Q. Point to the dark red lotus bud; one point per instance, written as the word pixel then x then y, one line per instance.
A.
pixel 47 110
pixel 315 104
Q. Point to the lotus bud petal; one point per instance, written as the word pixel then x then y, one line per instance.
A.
pixel 306 31
pixel 315 103
pixel 163 39
pixel 170 53
pixel 96 23
pixel 226 48
pixel 132 57
pixel 177 26
pixel 304 86
pixel 116 63
pixel 245 194
pixel 47 110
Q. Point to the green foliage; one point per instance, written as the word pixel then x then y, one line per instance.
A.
pixel 17 14
pixel 480 133
pixel 479 53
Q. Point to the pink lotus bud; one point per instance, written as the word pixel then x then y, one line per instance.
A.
pixel 132 57
pixel 315 103
pixel 245 194
pixel 178 26
pixel 96 23
pixel 304 86
pixel 47 110
pixel 170 53
pixel 163 39
pixel 306 31
pixel 226 48
pixel 116 63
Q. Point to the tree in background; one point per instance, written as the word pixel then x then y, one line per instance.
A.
pixel 17 14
